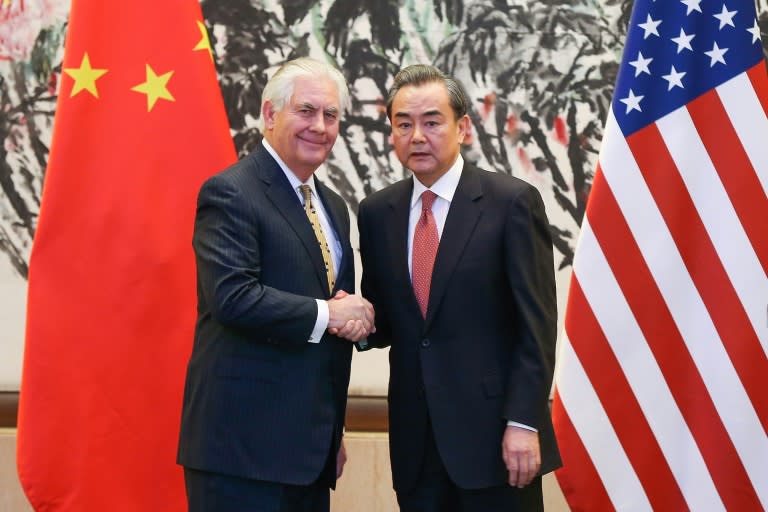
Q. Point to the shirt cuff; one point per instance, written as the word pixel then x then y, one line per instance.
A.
pixel 516 424
pixel 321 324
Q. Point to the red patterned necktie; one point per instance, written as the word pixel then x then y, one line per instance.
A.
pixel 425 242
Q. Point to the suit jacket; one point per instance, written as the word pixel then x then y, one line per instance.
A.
pixel 259 400
pixel 485 352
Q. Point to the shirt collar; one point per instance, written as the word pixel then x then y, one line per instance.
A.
pixel 295 181
pixel 444 187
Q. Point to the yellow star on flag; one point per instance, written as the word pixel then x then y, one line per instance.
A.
pixel 204 43
pixel 85 77
pixel 155 87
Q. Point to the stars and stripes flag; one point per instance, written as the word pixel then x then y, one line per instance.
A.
pixel 661 398
pixel 140 124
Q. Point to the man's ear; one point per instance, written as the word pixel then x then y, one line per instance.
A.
pixel 268 114
pixel 464 124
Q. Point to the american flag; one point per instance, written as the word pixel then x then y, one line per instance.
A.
pixel 661 398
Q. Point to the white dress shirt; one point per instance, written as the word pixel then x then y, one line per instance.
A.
pixel 323 315
pixel 444 188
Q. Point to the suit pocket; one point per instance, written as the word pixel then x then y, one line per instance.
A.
pixel 247 368
pixel 492 386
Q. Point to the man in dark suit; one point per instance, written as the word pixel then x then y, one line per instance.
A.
pixel 266 385
pixel 458 264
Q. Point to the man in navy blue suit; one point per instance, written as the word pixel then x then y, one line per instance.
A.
pixel 458 263
pixel 266 384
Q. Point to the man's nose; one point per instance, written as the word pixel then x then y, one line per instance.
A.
pixel 418 134
pixel 318 122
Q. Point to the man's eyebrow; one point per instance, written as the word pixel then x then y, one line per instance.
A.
pixel 423 114
pixel 310 106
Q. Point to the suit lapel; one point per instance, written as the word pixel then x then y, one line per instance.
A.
pixel 466 209
pixel 286 201
pixel 342 230
pixel 397 239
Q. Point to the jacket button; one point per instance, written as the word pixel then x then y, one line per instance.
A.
pixel 425 343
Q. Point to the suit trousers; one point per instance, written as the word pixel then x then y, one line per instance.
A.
pixel 435 492
pixel 215 492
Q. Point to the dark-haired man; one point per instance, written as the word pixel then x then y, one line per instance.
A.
pixel 458 264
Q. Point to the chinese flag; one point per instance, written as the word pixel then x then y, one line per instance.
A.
pixel 111 307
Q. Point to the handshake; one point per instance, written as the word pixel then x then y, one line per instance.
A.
pixel 350 316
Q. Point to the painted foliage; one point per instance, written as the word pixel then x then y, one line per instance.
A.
pixel 540 75
pixel 31 49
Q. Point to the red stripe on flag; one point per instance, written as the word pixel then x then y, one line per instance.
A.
pixel 703 264
pixel 578 478
pixel 618 400
pixel 734 168
pixel 669 349
pixel 759 78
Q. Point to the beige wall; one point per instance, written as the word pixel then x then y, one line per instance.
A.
pixel 12 498
pixel 365 486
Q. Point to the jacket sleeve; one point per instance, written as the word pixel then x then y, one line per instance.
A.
pixel 531 277
pixel 370 282
pixel 226 244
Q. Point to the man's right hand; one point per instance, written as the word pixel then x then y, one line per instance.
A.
pixel 521 454
pixel 350 316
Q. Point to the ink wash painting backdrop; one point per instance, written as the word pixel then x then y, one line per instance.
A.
pixel 31 51
pixel 540 76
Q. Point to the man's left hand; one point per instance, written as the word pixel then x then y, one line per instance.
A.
pixel 521 454
pixel 341 459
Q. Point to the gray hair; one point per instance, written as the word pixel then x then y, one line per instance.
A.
pixel 420 74
pixel 279 88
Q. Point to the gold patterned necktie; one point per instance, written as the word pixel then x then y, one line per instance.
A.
pixel 309 209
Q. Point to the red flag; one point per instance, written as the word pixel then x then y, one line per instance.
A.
pixel 661 401
pixel 139 125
